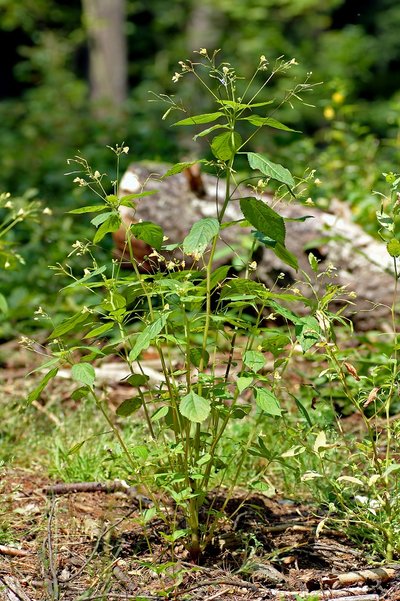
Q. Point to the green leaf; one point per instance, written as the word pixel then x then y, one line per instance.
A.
pixel 263 218
pixel 308 332
pixel 195 407
pixel 207 131
pixel 3 304
pixel 84 373
pixel 241 106
pixel 286 256
pixel 137 379
pixel 254 360
pixel 268 402
pixel 147 335
pixel 149 232
pixel 393 247
pixel 243 382
pixel 129 406
pixel 87 277
pixel 261 121
pixel 224 146
pixel 35 394
pixel 112 224
pixel 99 330
pixel 159 413
pixel 196 119
pixel 89 209
pixel 270 169
pixel 199 237
pixel 385 221
pixel 196 355
pixel 80 393
pixel 126 200
pixel 179 167
pixel 99 219
pixel 219 275
pixel 69 324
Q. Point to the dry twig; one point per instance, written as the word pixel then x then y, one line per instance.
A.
pixel 13 552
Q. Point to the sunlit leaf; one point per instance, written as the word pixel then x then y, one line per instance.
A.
pixel 195 407
pixel 270 169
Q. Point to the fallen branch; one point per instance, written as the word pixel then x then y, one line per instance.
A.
pixel 13 551
pixel 349 578
pixel 92 487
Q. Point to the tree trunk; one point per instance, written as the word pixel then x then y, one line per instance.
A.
pixel 105 23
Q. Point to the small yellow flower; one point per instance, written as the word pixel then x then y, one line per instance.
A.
pixel 337 97
pixel 329 113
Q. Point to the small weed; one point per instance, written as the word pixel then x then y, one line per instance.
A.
pixel 190 416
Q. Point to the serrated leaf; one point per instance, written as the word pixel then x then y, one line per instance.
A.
pixel 200 236
pixel 269 121
pixel 99 330
pixel 195 407
pixel 112 224
pixel 84 373
pixel 34 395
pixel 270 169
pixel 149 333
pixel 254 360
pixel 89 209
pixel 197 119
pixel 149 232
pixel 268 402
pixel 224 146
pixel 3 304
pixel 129 406
pixel 263 218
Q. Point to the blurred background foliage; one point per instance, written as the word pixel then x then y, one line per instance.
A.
pixel 47 115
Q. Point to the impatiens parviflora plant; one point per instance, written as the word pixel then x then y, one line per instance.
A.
pixel 365 497
pixel 194 318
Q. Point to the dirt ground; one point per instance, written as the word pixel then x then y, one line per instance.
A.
pixel 89 545
pixel 93 545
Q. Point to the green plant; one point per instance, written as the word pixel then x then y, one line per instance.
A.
pixel 176 310
pixel 357 478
